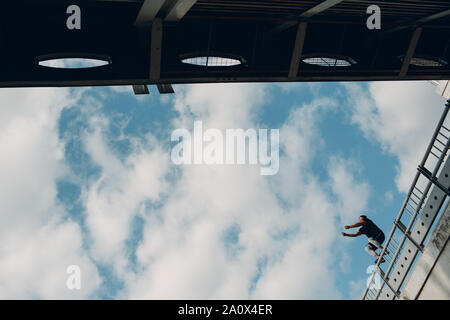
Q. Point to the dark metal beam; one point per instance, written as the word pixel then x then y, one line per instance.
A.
pixel 165 88
pixel 172 10
pixel 433 179
pixel 308 14
pixel 320 8
pixel 155 51
pixel 410 53
pixel 239 79
pixel 421 21
pixel 435 16
pixel 179 9
pixel 148 12
pixel 298 49
pixel 140 89
pixel 403 228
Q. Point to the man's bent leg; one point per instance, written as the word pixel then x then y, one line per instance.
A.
pixel 370 250
pixel 375 243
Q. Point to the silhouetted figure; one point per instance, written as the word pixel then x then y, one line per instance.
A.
pixel 370 229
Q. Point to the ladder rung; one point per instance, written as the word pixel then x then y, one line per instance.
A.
pixel 391 256
pixel 409 212
pixel 445 128
pixel 372 294
pixel 408 204
pixel 415 195
pixel 443 135
pixel 418 190
pixel 391 250
pixel 440 142
pixel 392 247
pixel 414 201
pixel 434 155
pixel 438 149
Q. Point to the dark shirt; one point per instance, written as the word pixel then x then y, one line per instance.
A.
pixel 370 229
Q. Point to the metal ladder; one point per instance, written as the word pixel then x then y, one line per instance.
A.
pixel 425 198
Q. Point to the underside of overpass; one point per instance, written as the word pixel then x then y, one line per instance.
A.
pixel 166 42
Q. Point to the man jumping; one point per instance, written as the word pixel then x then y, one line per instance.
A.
pixel 375 235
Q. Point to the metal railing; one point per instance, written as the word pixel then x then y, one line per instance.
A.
pixel 424 200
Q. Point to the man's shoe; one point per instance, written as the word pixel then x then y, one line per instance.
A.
pixel 382 260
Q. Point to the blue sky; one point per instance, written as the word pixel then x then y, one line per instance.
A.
pixel 90 183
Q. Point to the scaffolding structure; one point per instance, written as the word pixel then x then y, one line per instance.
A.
pixel 425 200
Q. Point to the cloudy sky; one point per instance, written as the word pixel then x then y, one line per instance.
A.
pixel 87 180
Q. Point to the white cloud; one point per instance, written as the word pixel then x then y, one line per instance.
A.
pixel 345 262
pixel 33 263
pixel 184 251
pixel 300 140
pixel 352 194
pixel 122 89
pixel 222 232
pixel 220 106
pixel 306 268
pixel 118 195
pixel 401 117
pixel 356 288
pixel 36 241
pixel 388 197
pixel 280 252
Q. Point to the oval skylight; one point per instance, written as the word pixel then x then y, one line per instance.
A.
pixel 211 60
pixel 73 62
pixel 329 61
pixel 427 62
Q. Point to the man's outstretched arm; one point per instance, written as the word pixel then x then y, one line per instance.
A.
pixel 351 234
pixel 356 225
